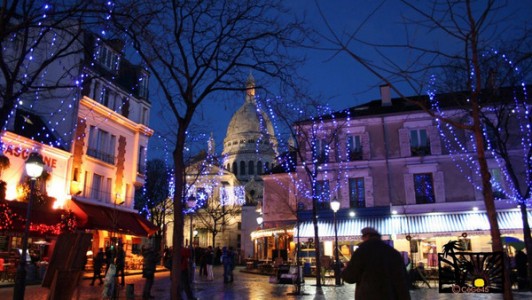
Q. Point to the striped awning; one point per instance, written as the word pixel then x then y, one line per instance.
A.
pixel 430 223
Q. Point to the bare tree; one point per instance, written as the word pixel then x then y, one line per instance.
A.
pixel 194 49
pixel 35 35
pixel 215 217
pixel 475 26
pixel 313 130
pixel 153 198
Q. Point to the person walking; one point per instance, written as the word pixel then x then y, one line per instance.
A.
pixel 228 261
pixel 186 255
pixel 120 263
pixel 151 258
pixel 209 262
pixel 98 262
pixel 202 254
pixel 377 269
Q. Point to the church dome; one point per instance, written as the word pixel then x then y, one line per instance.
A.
pixel 250 145
pixel 250 125
pixel 249 120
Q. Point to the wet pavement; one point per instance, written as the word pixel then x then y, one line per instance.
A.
pixel 246 286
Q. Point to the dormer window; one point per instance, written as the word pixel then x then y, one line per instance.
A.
pixel 107 58
pixel 143 85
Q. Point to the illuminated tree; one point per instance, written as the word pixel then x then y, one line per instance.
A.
pixel 153 198
pixel 314 132
pixel 473 26
pixel 194 49
pixel 35 35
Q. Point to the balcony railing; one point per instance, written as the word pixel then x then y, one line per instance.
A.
pixel 103 156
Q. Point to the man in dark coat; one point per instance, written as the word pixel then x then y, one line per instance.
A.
pixel 148 270
pixel 97 266
pixel 120 262
pixel 377 269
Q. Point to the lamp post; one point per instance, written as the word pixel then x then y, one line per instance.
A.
pixel 191 204
pixel 260 220
pixel 34 168
pixel 335 206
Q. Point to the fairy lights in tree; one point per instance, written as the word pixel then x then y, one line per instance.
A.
pixel 507 135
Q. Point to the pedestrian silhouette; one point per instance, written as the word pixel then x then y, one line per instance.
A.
pixel 377 269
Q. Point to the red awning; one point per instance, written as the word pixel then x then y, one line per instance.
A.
pixel 91 216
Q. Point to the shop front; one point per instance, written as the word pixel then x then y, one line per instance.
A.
pixel 111 228
pixel 419 237
pixel 46 224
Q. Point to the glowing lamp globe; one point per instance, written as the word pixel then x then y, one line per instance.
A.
pixel 34 165
pixel 335 205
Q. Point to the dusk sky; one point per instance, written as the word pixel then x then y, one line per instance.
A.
pixel 340 80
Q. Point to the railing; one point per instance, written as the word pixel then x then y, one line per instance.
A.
pixel 105 157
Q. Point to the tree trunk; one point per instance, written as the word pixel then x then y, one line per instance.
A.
pixel 177 237
pixel 316 237
pixel 528 242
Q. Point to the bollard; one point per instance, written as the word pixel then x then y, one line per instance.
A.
pixel 130 291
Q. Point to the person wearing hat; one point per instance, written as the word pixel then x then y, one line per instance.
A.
pixel 377 269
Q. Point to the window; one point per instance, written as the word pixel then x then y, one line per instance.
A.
pixel 497 184
pixel 267 166
pixel 259 168
pixel 104 100
pixel 141 167
pixel 107 58
pixel 321 151
pixel 143 86
pixel 101 145
pixel 96 190
pixel 419 142
pixel 251 167
pixel 125 107
pixel 322 193
pixel 242 168
pixel 354 148
pixel 144 116
pixel 424 188
pixel 357 192
pixel 235 168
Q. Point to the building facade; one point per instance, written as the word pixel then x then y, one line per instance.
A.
pixel 92 131
pixel 388 166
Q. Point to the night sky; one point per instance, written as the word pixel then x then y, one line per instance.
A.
pixel 339 80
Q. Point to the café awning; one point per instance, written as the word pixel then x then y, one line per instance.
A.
pixel 92 216
pixel 418 224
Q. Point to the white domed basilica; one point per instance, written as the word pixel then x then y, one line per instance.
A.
pixel 250 146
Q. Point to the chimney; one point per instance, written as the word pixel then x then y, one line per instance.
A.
pixel 386 98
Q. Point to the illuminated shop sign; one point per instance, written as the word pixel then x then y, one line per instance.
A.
pixel 25 153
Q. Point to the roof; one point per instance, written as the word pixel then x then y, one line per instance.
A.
pixel 431 223
pixel 31 126
pixel 112 219
pixel 448 100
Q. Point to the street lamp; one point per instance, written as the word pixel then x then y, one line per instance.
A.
pixel 260 219
pixel 335 206
pixel 191 204
pixel 34 168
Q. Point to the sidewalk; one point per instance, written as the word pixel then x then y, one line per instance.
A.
pixel 246 286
